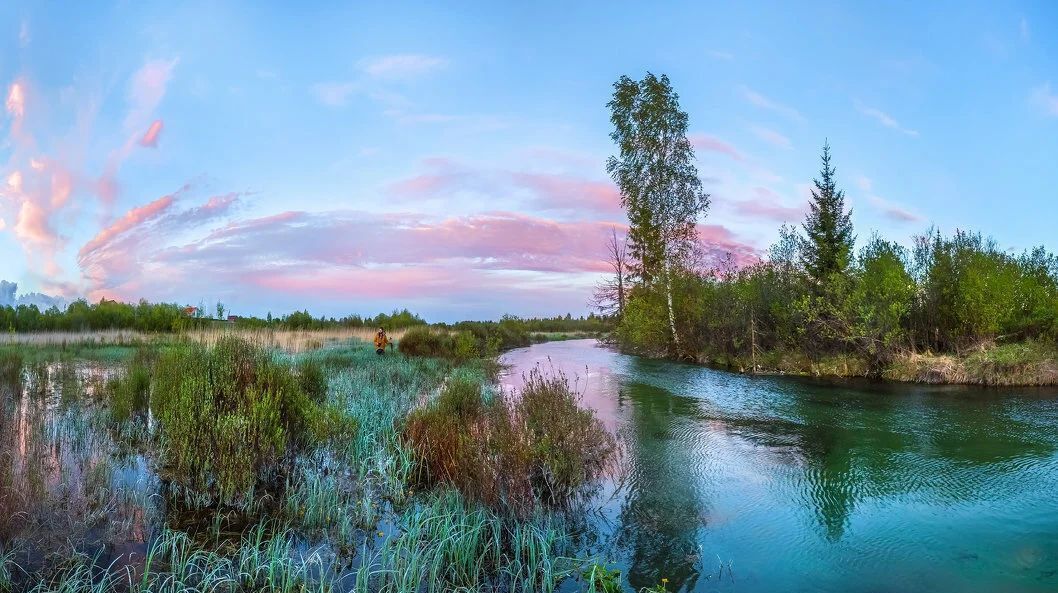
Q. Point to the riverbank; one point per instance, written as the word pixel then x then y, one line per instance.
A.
pixel 1008 365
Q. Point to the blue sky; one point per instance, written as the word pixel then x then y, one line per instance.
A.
pixel 359 157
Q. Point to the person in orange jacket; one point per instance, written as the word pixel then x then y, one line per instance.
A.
pixel 381 341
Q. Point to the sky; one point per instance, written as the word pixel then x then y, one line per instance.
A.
pixel 450 157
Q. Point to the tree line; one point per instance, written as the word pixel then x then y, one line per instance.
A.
pixel 812 293
pixel 80 315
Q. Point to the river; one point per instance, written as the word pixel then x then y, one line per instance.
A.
pixel 751 483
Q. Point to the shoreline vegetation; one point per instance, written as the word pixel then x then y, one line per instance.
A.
pixel 204 460
pixel 947 308
pixel 1024 364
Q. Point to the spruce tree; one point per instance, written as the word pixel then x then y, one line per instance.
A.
pixel 827 249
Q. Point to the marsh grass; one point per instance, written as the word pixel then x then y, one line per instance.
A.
pixel 290 341
pixel 514 452
pixel 11 366
pixel 241 466
pixel 1022 363
pixel 447 544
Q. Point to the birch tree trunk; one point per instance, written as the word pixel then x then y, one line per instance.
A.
pixel 668 298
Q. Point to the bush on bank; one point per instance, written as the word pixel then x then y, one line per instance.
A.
pixel 231 416
pixel 518 451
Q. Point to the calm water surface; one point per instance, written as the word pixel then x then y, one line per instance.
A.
pixel 740 483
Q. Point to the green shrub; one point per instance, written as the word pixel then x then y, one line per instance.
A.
pixel 536 447
pixel 443 434
pixel 568 446
pixel 459 346
pixel 231 417
pixel 422 341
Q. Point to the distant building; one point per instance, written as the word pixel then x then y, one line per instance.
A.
pixel 191 311
pixel 233 318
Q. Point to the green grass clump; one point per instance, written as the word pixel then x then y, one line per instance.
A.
pixel 11 365
pixel 450 544
pixel 231 417
pixel 130 391
pixel 312 378
pixel 601 579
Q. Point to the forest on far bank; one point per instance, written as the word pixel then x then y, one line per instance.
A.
pixel 813 296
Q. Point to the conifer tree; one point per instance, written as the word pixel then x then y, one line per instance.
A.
pixel 827 248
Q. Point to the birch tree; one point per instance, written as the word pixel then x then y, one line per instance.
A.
pixel 660 189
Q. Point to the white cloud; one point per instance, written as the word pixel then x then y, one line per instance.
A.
pixel 401 66
pixel 885 119
pixel 893 211
pixel 771 136
pixel 372 80
pixel 334 94
pixel 720 55
pixel 23 34
pixel 863 182
pixel 1045 99
pixel 763 102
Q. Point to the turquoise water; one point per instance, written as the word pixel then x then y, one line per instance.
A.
pixel 742 483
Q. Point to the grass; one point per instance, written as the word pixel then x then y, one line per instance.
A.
pixel 247 467
pixel 291 341
pixel 447 544
pixel 11 366
pixel 516 452
pixel 1022 363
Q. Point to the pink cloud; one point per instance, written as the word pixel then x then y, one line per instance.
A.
pixel 768 205
pixel 543 191
pixel 121 256
pixel 719 244
pixel 562 192
pixel 32 226
pixel 714 144
pixel 130 220
pixel 424 185
pixel 893 211
pixel 150 138
pixel 146 90
pixel 16 100
pixel 497 241
pixel 388 282
pixel 61 187
pixel 445 176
